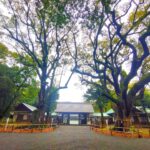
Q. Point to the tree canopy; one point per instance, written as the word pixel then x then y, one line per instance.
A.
pixel 114 50
pixel 39 29
pixel 104 41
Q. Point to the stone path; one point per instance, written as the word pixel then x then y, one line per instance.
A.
pixel 69 138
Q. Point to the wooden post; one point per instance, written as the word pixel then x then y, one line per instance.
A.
pixel 110 131
pixel 123 129
pixel 139 136
pixel 32 129
pixel 12 128
pixel 7 121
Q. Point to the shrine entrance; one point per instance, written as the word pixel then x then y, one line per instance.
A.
pixel 73 119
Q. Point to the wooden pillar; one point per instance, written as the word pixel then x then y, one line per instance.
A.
pixel 79 119
pixel 68 119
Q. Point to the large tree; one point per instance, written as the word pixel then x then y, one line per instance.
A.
pixel 114 50
pixel 40 28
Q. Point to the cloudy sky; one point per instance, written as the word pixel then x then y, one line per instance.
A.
pixel 74 92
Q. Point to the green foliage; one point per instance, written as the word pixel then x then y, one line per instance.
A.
pixel 106 4
pixel 54 12
pixel 3 52
pixel 146 98
pixel 6 53
pixel 145 101
pixel 96 108
pixel 138 16
pixel 25 86
pixel 6 94
pixel 15 86
pixel 115 40
pixel 146 65
pixel 51 97
pixel 93 94
pixel 29 94
pixel 6 89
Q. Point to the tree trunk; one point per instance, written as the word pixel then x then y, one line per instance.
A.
pixel 42 92
pixel 102 117
pixel 48 117
pixel 123 119
pixel 42 98
pixel 119 118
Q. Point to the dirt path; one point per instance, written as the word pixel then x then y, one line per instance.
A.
pixel 69 138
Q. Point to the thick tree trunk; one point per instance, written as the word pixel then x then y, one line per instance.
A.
pixel 123 120
pixel 102 117
pixel 119 117
pixel 42 98
pixel 48 120
pixel 42 95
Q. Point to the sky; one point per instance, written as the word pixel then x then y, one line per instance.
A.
pixel 74 92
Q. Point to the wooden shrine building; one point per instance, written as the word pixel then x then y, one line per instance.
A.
pixel 70 113
pixel 24 113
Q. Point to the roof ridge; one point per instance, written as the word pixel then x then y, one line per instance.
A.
pixel 74 107
pixel 32 108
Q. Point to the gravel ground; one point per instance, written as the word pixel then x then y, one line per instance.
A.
pixel 69 138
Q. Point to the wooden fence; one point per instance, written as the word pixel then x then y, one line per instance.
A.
pixel 123 131
pixel 27 128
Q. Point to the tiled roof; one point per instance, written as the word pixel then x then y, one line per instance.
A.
pixel 74 107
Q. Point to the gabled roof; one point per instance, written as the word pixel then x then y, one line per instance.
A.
pixel 32 108
pixel 74 107
pixel 25 107
pixel 110 111
pixel 140 108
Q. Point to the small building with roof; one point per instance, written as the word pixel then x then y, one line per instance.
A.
pixel 70 113
pixel 140 115
pixel 23 113
pixel 107 117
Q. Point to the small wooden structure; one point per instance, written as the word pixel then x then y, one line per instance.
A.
pixel 140 116
pixel 96 118
pixel 24 113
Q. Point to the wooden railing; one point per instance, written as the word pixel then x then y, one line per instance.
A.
pixel 27 127
pixel 123 131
